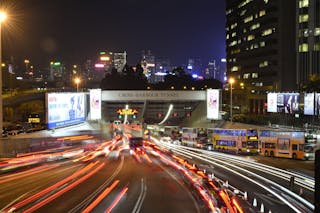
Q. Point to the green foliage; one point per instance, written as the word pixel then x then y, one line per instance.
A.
pixel 313 85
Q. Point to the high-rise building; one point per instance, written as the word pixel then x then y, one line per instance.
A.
pixel 148 64
pixel 260 40
pixel 119 60
pixel 308 39
pixel 162 67
pixel 194 67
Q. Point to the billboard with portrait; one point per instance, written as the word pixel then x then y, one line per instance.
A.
pixel 308 108
pixel 288 102
pixel 213 104
pixel 283 102
pixel 95 104
pixel 64 109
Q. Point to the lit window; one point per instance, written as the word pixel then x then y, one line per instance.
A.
pixel 254 75
pixel 316 47
pixel 316 31
pixel 267 32
pixel 234 69
pixel 303 3
pixel 248 19
pixel 263 64
pixel 244 30
pixel 250 37
pixel 233 34
pixel 303 47
pixel 246 75
pixel 303 18
pixel 233 43
pixel 262 13
pixel 266 1
pixel 235 51
pixel 227 36
pixel 255 26
pixel 233 25
pixel 228 11
pixel 243 12
pixel 262 43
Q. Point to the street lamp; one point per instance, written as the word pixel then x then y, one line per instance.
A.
pixel 231 81
pixel 3 17
pixel 77 81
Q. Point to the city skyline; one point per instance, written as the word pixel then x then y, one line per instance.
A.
pixel 62 30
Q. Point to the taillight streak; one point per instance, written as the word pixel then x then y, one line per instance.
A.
pixel 101 197
pixel 67 188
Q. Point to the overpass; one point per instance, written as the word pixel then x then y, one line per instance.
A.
pixel 152 105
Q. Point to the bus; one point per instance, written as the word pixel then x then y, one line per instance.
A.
pixel 189 136
pixel 285 144
pixel 195 137
pixel 239 141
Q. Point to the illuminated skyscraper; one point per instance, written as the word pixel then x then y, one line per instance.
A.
pixel 261 53
pixel 308 39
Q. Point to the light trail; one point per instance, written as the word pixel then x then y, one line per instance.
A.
pixel 101 197
pixel 116 201
pixel 284 200
pixel 64 190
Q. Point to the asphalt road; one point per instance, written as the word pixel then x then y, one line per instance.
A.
pixel 151 187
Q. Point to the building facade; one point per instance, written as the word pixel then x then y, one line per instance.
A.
pixel 308 39
pixel 260 47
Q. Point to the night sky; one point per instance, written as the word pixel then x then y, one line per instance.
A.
pixel 74 30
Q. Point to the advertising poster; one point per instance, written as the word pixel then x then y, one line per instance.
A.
pixel 272 102
pixel 95 104
pixel 288 103
pixel 308 108
pixel 65 109
pixel 213 104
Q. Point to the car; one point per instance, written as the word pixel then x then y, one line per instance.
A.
pixel 165 139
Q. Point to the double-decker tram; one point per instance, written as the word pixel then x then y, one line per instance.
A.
pixel 242 141
pixel 285 144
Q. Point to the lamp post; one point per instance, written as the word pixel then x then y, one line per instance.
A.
pixel 3 17
pixel 77 81
pixel 231 81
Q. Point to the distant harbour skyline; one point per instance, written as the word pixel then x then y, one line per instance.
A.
pixel 42 31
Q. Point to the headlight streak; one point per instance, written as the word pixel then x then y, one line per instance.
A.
pixel 300 180
pixel 311 206
pixel 96 192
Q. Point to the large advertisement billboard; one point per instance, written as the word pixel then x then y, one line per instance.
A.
pixel 283 102
pixel 308 108
pixel 213 104
pixel 64 109
pixel 95 104
pixel 272 102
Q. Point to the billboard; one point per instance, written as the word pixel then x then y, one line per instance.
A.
pixel 64 109
pixel 272 102
pixel 95 104
pixel 213 104
pixel 308 108
pixel 283 102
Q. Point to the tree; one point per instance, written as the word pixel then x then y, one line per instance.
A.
pixel 313 84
